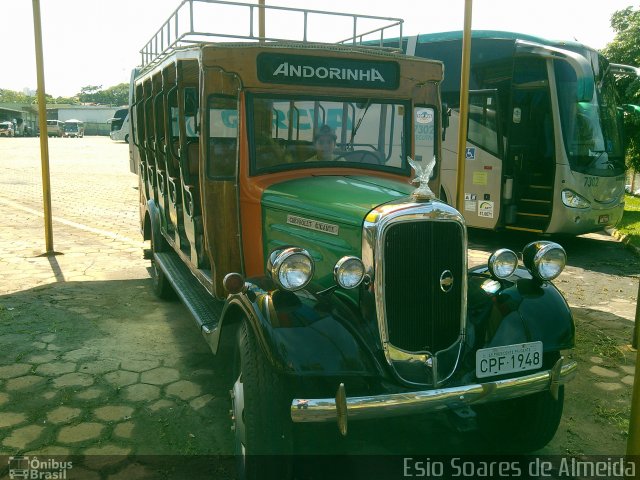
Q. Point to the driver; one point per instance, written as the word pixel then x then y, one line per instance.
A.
pixel 324 142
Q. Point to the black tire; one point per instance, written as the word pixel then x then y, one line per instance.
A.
pixel 159 281
pixel 126 138
pixel 261 418
pixel 523 424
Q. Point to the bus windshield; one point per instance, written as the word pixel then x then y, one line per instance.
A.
pixel 591 130
pixel 298 132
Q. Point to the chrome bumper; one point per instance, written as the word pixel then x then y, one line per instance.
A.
pixel 398 404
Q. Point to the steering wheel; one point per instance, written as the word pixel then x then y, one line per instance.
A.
pixel 361 156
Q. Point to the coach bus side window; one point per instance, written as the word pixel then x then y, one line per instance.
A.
pixel 223 133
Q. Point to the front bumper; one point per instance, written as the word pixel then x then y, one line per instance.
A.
pixel 342 407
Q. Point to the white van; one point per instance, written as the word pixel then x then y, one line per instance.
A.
pixel 55 128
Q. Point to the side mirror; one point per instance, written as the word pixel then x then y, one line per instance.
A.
pixel 632 109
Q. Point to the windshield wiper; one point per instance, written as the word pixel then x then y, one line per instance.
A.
pixel 355 129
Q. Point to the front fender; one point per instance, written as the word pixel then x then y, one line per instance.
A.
pixel 302 333
pixel 522 310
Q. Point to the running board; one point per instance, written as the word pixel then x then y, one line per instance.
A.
pixel 206 310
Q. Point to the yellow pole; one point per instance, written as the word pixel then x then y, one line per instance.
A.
pixel 464 103
pixel 633 440
pixel 261 20
pixel 42 122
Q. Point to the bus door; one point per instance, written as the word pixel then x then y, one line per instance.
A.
pixel 530 163
pixel 483 161
pixel 220 132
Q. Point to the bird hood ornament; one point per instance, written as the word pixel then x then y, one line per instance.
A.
pixel 423 174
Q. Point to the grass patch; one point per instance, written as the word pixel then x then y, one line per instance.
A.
pixel 600 343
pixel 630 223
pixel 617 417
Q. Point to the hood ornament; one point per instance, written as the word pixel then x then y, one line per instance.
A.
pixel 423 174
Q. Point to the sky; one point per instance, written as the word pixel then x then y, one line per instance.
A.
pixel 97 42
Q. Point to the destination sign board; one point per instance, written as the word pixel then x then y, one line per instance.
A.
pixel 327 71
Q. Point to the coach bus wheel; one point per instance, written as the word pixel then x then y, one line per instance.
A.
pixel 161 286
pixel 260 414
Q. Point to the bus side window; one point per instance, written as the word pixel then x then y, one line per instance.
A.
pixel 191 112
pixel 222 120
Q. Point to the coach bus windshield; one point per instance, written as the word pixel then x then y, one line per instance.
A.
pixel 591 129
pixel 302 132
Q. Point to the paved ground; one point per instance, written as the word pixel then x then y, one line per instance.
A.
pixel 91 365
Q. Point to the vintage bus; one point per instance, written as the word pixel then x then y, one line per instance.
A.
pixel 275 182
pixel 73 128
pixel 544 149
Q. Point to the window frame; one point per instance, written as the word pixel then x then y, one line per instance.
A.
pixel 406 140
pixel 208 137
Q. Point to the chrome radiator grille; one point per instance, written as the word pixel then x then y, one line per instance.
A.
pixel 420 315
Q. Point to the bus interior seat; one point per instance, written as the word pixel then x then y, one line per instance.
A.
pixel 300 150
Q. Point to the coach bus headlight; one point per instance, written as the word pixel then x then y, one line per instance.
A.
pixel 502 263
pixel 349 272
pixel 573 200
pixel 291 268
pixel 544 260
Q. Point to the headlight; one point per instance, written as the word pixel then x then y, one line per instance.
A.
pixel 544 260
pixel 291 268
pixel 502 263
pixel 349 272
pixel 572 199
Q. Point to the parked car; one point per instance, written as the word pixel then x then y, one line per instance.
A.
pixel 7 129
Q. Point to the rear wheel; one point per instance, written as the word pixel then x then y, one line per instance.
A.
pixel 161 286
pixel 260 409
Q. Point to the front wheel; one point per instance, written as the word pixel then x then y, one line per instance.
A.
pixel 523 424
pixel 260 410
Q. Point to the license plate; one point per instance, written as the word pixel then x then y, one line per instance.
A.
pixel 603 219
pixel 508 359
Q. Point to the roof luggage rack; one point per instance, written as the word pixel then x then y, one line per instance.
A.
pixel 301 25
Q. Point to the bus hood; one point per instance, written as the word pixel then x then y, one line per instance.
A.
pixel 334 198
pixel 324 215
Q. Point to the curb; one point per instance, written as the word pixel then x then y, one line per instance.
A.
pixel 623 238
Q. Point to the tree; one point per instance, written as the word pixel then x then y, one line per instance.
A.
pixel 625 49
pixel 116 95
pixel 10 96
